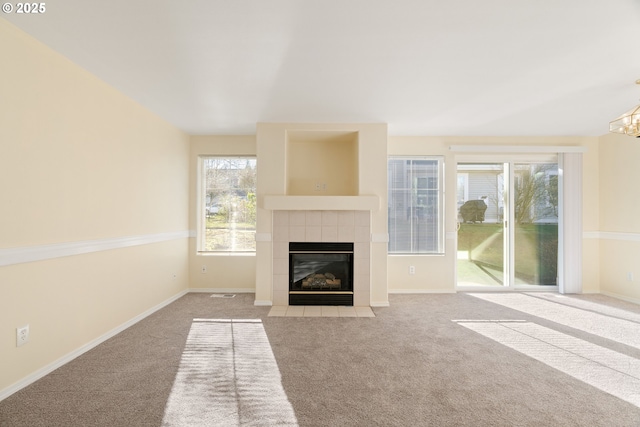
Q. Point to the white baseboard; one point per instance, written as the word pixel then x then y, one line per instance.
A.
pixel 380 304
pixel 223 290
pixel 263 303
pixel 422 291
pixel 78 352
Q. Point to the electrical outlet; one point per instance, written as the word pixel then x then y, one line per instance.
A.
pixel 22 335
pixel 318 186
pixel 204 269
pixel 629 276
pixel 412 269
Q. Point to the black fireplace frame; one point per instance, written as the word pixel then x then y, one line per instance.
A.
pixel 321 297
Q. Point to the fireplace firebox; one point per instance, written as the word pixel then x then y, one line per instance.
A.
pixel 320 273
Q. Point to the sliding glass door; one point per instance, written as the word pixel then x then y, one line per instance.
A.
pixel 535 224
pixel 481 241
pixel 507 224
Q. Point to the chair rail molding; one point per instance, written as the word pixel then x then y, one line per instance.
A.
pixel 20 255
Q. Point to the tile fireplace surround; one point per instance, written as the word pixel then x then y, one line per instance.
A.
pixel 322 226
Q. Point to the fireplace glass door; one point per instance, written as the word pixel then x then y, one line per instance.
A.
pixel 320 273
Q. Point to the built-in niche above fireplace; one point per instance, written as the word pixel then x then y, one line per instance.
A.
pixel 322 163
pixel 320 273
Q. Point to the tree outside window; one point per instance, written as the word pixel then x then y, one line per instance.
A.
pixel 228 204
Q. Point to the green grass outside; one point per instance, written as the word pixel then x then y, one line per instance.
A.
pixel 536 249
pixel 221 235
pixel 219 221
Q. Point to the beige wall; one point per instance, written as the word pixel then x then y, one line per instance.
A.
pixel 80 162
pixel 619 177
pixel 619 216
pixel 233 273
pixel 591 175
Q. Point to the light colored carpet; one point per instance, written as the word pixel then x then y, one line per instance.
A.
pixel 607 370
pixel 596 320
pixel 228 377
pixel 519 360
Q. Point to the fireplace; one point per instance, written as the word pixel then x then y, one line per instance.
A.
pixel 320 273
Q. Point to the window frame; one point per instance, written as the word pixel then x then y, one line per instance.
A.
pixel 440 210
pixel 201 203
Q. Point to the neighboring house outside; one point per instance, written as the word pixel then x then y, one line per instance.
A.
pixel 536 190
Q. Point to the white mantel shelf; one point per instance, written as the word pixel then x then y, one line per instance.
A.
pixel 322 203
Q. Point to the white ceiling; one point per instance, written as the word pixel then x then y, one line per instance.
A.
pixel 425 67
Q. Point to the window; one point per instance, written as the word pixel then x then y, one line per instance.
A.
pixel 227 204
pixel 416 220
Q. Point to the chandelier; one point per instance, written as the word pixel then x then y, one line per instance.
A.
pixel 628 123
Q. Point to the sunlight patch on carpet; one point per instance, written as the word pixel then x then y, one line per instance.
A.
pixel 605 369
pixel 599 324
pixel 572 301
pixel 228 376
